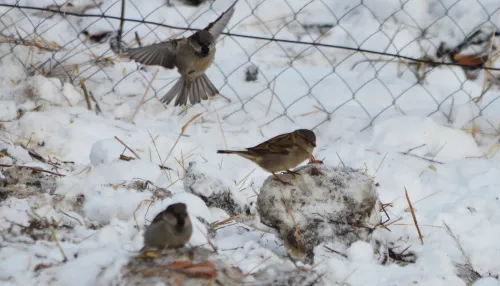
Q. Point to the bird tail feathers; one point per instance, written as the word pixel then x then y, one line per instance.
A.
pixel 244 154
pixel 228 152
pixel 196 89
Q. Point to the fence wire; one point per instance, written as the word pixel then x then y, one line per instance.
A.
pixel 278 61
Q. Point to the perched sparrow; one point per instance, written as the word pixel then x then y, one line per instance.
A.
pixel 170 228
pixel 280 153
pixel 192 56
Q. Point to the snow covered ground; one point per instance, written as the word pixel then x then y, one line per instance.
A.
pixel 429 139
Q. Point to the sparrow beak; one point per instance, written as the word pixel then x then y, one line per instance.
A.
pixel 313 144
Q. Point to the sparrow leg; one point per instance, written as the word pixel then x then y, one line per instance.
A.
pixel 293 173
pixel 313 160
pixel 280 180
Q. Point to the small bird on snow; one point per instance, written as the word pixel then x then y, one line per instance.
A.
pixel 170 228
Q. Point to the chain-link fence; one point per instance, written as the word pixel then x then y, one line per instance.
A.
pixel 301 61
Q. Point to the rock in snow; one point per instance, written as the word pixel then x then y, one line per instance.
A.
pixel 327 204
pixel 213 188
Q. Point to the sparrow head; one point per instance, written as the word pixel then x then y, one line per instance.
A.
pixel 307 135
pixel 202 42
pixel 176 215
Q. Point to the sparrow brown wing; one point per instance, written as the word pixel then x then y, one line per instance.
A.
pixel 215 28
pixel 281 144
pixel 161 54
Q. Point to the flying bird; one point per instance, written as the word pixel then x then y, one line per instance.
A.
pixel 192 56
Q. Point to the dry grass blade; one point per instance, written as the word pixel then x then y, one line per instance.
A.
pixel 222 222
pixel 245 178
pixel 414 217
pixel 272 97
pixel 189 122
pixel 392 222
pixel 86 94
pixel 470 274
pixel 54 238
pixel 128 148
pixel 214 248
pixel 335 251
pixel 143 96
pixel 183 129
pixel 137 209
pixel 153 140
pixel 457 242
pixel 426 197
